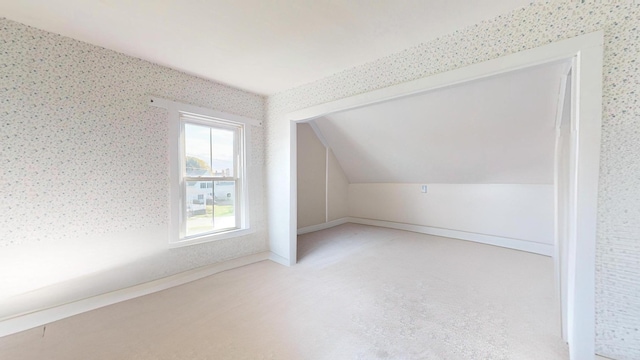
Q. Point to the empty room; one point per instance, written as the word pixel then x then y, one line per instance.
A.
pixel 319 180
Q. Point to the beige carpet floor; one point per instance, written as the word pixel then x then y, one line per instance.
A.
pixel 358 292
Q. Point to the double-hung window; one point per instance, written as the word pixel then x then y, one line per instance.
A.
pixel 211 176
pixel 208 171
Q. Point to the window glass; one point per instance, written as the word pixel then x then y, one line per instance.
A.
pixel 224 205
pixel 223 152
pixel 210 153
pixel 197 144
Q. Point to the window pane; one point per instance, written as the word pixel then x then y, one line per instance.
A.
pixel 197 145
pixel 199 207
pixel 223 146
pixel 224 204
pixel 210 206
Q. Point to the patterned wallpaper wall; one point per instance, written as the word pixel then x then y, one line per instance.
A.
pixel 83 160
pixel 618 257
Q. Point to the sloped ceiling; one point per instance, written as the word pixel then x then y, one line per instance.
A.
pixel 496 130
pixel 257 45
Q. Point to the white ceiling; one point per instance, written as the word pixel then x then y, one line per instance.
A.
pixel 497 130
pixel 261 46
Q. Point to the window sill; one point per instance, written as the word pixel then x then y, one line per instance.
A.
pixel 211 237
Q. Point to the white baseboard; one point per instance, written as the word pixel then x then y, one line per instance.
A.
pixel 516 244
pixel 41 317
pixel 323 226
pixel 279 259
pixel 600 357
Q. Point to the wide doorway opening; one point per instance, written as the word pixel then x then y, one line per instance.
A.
pixel 573 188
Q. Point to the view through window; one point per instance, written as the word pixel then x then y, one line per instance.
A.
pixel 211 176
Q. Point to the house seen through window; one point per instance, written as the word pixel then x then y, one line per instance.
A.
pixel 212 175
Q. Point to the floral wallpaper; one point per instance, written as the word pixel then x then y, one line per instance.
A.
pixel 83 157
pixel 84 163
pixel 618 248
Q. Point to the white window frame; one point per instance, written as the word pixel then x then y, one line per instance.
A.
pixel 177 158
pixel 237 177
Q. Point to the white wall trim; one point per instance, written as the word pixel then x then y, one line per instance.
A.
pixel 326 184
pixel 515 244
pixel 169 104
pixel 292 238
pixel 41 317
pixel 509 243
pixel 561 194
pixel 323 226
pixel 318 133
pixel 600 357
pixel 557 51
pixel 278 259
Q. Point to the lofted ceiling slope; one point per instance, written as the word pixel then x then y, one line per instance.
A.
pixel 260 46
pixel 498 130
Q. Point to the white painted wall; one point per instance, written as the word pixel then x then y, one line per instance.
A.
pixel 337 189
pixel 495 130
pixel 517 211
pixel 322 186
pixel 312 179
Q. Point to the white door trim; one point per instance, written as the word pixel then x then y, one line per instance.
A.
pixel 562 168
pixel 586 52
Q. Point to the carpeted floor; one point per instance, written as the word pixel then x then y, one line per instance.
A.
pixel 358 292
